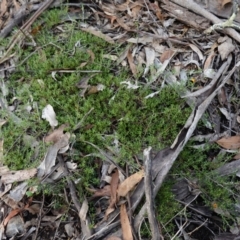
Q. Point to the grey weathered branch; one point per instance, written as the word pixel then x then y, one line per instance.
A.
pixel 149 195
pixel 191 5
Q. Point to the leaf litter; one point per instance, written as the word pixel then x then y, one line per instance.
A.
pixel 168 47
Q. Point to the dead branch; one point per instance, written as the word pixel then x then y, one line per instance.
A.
pixel 189 18
pixel 166 163
pixel 149 196
pixel 191 5
pixel 104 231
pixel 39 218
pixel 138 193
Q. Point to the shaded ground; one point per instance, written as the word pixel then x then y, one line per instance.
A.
pixel 87 88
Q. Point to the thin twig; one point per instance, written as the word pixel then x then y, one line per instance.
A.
pixel 56 231
pixel 39 218
pixel 190 233
pixel 105 230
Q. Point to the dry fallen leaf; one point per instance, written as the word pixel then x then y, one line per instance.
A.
pixel 237 156
pixel 166 55
pixel 113 187
pixel 154 7
pixel 209 60
pixel 92 55
pixel 11 215
pixel 34 208
pixel 96 89
pixel 125 223
pixel 108 9
pixel 19 191
pixel 49 114
pixel 5 189
pixel 209 73
pixel 50 219
pixel 133 67
pixel 168 22
pixel 225 112
pixel 196 50
pixel 3 6
pixel 224 2
pixel 15 226
pixel 69 229
pixel 56 134
pixel 108 211
pixel 60 146
pixel 83 84
pixel 226 47
pixel 136 12
pixel 128 184
pixel 111 57
pixel 71 166
pixel 103 192
pixel 144 40
pixel 130 85
pixel 231 143
pixel 83 64
pixel 83 211
pixel 98 34
pixel 123 24
pixel 113 238
pixel 18 176
pixel 150 56
pixel 238 119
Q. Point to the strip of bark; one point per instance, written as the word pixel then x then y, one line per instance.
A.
pixel 149 196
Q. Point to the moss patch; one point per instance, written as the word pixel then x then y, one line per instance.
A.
pixel 118 112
